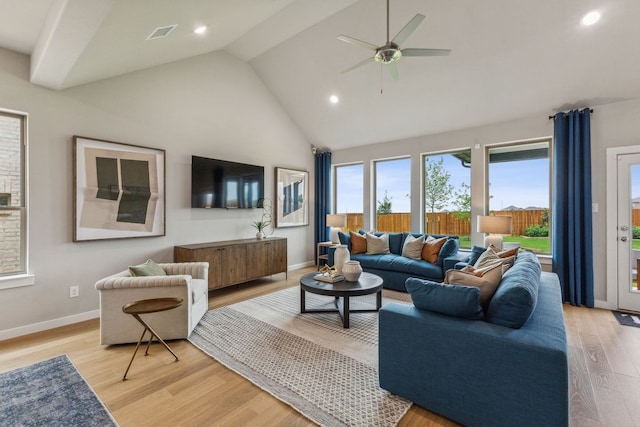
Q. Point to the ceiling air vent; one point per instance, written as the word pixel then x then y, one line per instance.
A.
pixel 161 32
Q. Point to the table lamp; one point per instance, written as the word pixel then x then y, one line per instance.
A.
pixel 494 226
pixel 336 221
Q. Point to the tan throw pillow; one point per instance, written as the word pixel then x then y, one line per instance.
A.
pixel 431 249
pixel 412 247
pixel 377 245
pixel 358 243
pixel 506 252
pixel 489 257
pixel 487 282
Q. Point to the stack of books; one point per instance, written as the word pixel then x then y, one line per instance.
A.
pixel 328 278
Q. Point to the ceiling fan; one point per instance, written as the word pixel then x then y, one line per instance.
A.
pixel 390 52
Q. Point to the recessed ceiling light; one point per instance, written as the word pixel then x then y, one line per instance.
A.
pixel 334 99
pixel 591 18
pixel 201 29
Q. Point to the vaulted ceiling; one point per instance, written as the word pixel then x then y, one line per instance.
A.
pixel 510 58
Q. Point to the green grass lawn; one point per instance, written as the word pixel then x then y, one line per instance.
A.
pixel 535 244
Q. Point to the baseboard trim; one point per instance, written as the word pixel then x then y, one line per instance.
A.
pixel 604 305
pixel 49 324
pixel 300 266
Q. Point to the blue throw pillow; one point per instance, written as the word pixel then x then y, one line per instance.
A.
pixel 452 300
pixel 449 248
pixel 476 251
pixel 345 239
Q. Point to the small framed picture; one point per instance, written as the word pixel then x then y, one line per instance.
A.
pixel 292 194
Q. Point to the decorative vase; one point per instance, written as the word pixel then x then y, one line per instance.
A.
pixel 259 235
pixel 351 271
pixel 340 256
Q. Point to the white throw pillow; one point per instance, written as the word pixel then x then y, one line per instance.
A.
pixel 377 245
pixel 412 247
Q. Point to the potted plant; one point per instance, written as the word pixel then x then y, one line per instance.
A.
pixel 260 225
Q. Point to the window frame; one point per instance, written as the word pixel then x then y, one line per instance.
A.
pixel 423 201
pixel 21 277
pixel 487 195
pixel 374 186
pixel 334 188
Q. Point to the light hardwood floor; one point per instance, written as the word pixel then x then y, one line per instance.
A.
pixel 198 391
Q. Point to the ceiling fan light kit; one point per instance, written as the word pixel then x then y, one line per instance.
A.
pixel 390 52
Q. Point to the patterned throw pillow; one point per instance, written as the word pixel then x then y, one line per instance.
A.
pixel 431 249
pixel 412 247
pixel 506 252
pixel 486 279
pixel 377 245
pixel 358 243
pixel 489 257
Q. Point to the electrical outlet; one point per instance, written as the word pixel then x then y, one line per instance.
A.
pixel 74 291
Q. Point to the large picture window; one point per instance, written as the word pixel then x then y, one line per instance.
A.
pixel 447 194
pixel 519 186
pixel 349 190
pixel 13 212
pixel 393 195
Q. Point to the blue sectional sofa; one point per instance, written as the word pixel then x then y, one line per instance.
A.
pixel 511 368
pixel 396 269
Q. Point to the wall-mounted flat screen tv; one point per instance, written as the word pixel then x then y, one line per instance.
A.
pixel 228 185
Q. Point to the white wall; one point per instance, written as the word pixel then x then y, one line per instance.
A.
pixel 212 105
pixel 612 125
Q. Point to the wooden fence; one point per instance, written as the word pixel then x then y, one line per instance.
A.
pixel 447 223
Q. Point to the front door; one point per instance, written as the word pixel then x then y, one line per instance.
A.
pixel 628 218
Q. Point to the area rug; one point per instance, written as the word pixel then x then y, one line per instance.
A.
pixel 50 393
pixel 627 319
pixel 325 372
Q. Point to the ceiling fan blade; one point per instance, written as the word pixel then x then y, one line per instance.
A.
pixel 393 69
pixel 357 42
pixel 408 30
pixel 425 52
pixel 359 64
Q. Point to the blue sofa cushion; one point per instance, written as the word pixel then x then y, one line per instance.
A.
pixel 451 300
pixel 476 251
pixel 517 294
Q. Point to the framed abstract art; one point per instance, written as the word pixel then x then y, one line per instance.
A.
pixel 118 190
pixel 292 193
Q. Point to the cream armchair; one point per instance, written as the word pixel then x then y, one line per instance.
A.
pixel 188 281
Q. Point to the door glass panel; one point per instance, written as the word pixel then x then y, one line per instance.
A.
pixel 635 225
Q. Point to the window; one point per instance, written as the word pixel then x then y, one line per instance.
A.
pixel 393 195
pixel 13 221
pixel 519 186
pixel 349 190
pixel 447 194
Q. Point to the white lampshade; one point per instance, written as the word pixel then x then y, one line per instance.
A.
pixel 494 226
pixel 336 221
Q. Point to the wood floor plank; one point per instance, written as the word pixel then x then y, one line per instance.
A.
pixel 582 402
pixel 197 390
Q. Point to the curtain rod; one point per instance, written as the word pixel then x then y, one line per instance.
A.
pixel 551 117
